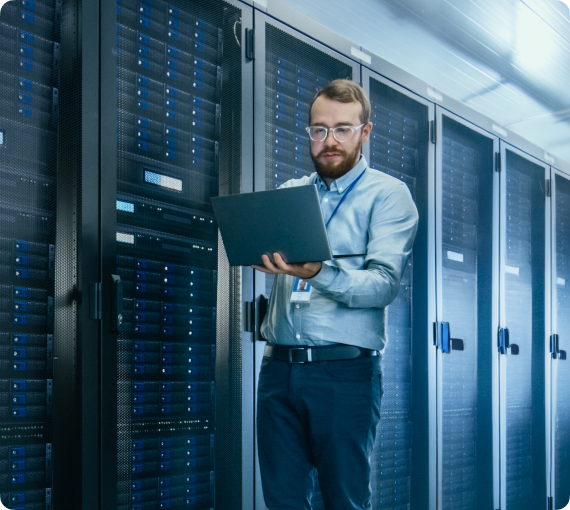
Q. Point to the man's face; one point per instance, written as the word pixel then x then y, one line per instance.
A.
pixel 333 159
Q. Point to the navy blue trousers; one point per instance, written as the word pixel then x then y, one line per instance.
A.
pixel 321 418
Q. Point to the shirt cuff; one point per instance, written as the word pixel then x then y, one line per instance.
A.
pixel 324 277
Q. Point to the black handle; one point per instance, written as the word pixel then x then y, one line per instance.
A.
pixel 117 304
pixel 555 348
pixel 457 344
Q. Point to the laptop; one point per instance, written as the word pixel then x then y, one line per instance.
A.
pixel 287 221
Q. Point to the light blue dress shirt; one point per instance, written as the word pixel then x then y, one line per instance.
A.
pixel 379 218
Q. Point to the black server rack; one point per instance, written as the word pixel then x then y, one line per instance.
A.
pixel 29 81
pixel 294 72
pixel 466 235
pixel 399 147
pixel 561 306
pixel 524 293
pixel 172 103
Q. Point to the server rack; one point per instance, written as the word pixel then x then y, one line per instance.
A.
pixel 522 345
pixel 400 146
pixel 289 69
pixel 467 239
pixel 29 85
pixel 560 463
pixel 174 143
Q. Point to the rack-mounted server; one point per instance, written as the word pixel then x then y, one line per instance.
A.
pixel 29 81
pixel 169 97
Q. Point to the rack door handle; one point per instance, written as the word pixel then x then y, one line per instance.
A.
pixel 117 304
pixel 555 348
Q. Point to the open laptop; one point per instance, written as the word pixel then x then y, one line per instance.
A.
pixel 287 221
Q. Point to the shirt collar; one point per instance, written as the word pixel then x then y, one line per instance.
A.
pixel 340 184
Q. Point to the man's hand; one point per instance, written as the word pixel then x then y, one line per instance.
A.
pixel 303 271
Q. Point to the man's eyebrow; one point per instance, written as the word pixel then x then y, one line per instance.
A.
pixel 338 124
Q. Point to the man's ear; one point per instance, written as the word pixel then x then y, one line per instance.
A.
pixel 366 132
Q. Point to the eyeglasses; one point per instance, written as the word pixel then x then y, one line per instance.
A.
pixel 340 133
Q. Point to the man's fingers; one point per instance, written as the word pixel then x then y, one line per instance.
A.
pixel 266 262
pixel 280 263
pixel 268 267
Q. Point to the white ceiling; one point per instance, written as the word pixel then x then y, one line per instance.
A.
pixel 508 59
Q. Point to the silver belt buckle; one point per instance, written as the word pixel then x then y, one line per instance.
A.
pixel 295 359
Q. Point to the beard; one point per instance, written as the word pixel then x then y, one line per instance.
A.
pixel 335 170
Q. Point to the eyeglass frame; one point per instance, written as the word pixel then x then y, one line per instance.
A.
pixel 327 129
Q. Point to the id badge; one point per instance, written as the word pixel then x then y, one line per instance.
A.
pixel 301 291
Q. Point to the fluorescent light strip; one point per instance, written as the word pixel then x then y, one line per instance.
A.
pixel 163 180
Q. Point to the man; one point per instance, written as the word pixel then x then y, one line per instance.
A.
pixel 320 382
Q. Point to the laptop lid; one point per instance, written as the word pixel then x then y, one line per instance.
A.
pixel 287 221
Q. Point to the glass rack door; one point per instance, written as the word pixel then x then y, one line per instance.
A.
pixel 399 146
pixel 467 191
pixel 521 339
pixel 559 343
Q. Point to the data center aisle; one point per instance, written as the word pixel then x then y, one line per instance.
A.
pixel 29 80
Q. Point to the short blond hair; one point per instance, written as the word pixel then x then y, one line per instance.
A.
pixel 346 91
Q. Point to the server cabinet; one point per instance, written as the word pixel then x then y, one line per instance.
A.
pixel 29 86
pixel 522 346
pixel 560 408
pixel 289 69
pixel 171 339
pixel 400 146
pixel 467 206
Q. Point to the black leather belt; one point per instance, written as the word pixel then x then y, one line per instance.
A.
pixel 305 354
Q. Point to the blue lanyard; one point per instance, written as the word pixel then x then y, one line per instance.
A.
pixel 348 190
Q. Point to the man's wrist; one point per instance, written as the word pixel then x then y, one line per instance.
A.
pixel 324 277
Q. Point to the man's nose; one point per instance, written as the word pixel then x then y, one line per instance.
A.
pixel 330 135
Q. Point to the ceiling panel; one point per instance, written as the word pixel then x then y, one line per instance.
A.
pixel 508 59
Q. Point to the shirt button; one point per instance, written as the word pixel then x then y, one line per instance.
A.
pixel 298 336
pixel 296 306
pixel 340 189
pixel 326 200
